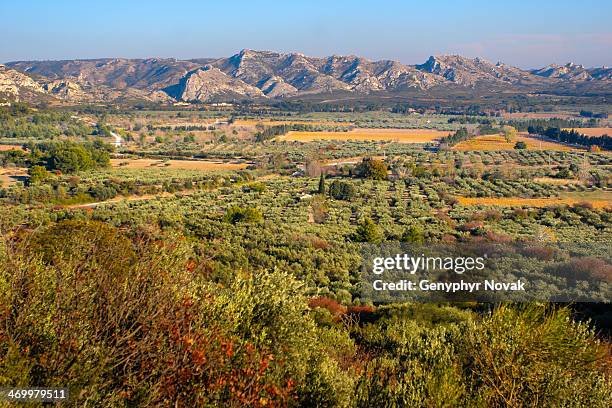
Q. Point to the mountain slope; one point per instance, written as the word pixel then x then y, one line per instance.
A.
pixel 266 74
pixel 573 72
pixel 468 72
pixel 118 73
pixel 209 83
pixel 15 85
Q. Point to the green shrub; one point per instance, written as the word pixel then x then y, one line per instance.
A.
pixel 368 231
pixel 342 190
pixel 372 169
pixel 237 214
pixel 520 145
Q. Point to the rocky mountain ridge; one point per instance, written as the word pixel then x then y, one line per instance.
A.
pixel 269 75
pixel 573 72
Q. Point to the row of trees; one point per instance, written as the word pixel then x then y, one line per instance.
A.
pixel 459 136
pixel 270 132
pixel 573 137
pixel 524 125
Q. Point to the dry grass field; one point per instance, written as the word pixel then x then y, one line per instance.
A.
pixel 597 200
pixel 498 142
pixel 205 165
pixel 594 132
pixel 392 135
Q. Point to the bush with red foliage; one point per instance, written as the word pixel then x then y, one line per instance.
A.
pixel 473 227
pixel 205 366
pixel 335 308
pixel 586 269
pixel 540 252
pixel 498 237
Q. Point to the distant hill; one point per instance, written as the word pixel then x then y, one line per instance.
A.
pixel 264 75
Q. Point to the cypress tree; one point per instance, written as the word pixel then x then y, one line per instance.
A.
pixel 322 184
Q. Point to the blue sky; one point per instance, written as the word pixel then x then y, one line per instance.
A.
pixel 523 33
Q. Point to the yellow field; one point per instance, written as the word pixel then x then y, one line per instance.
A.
pixel 9 176
pixel 498 142
pixel 598 200
pixel 253 122
pixel 594 132
pixel 395 135
pixel 4 148
pixel 177 164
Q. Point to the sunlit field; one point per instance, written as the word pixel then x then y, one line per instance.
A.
pixel 395 135
pixel 594 131
pixel 205 165
pixel 498 142
pixel 599 200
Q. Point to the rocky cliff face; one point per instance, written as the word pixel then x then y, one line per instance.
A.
pixel 468 72
pixel 297 73
pixel 66 89
pixel 15 85
pixel 210 83
pixel 265 74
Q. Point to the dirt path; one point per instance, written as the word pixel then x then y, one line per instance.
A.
pixel 144 197
pixel 129 198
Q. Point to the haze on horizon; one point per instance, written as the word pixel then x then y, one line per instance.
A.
pixel 526 34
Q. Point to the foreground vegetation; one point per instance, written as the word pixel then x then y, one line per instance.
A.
pixel 77 311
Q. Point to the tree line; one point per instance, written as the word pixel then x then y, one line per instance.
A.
pixel 573 137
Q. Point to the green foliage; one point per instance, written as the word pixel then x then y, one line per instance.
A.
pixel 459 136
pixel 38 174
pixel 321 189
pixel 22 123
pixel 413 235
pixel 269 132
pixel 373 169
pixel 520 145
pixel 531 124
pixel 342 190
pixel 256 187
pixel 69 157
pixel 530 354
pixel 237 214
pixel 517 356
pixel 572 136
pixel 86 316
pixel 564 173
pixel 368 231
pixel 14 157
